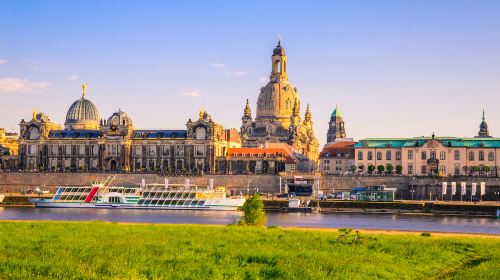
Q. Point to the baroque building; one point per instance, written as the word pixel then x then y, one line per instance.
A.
pixel 8 150
pixel 88 143
pixel 483 129
pixel 278 122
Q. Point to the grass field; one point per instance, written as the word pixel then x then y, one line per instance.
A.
pixel 99 250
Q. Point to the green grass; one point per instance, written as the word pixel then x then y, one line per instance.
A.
pixel 98 250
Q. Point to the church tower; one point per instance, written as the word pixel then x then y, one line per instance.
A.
pixel 336 128
pixel 483 129
pixel 246 121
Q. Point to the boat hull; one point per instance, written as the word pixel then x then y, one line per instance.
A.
pixel 44 203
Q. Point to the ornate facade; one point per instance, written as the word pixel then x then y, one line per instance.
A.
pixel 88 143
pixel 8 150
pixel 278 120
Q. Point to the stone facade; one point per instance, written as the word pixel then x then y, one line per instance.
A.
pixel 89 144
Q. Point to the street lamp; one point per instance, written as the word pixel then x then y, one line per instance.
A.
pixel 496 196
pixel 412 192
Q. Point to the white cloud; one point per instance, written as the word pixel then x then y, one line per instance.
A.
pixel 13 85
pixel 236 74
pixel 3 61
pixel 192 93
pixel 218 65
pixel 73 77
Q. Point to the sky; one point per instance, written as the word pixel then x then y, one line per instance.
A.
pixel 396 68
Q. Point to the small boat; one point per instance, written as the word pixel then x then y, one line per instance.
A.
pixel 153 196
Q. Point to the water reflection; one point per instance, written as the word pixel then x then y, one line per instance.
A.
pixel 336 220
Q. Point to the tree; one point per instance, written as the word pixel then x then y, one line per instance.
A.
pixel 399 169
pixel 353 168
pixel 253 212
pixel 380 168
pixel 389 168
pixel 371 168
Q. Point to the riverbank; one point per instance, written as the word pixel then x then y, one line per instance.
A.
pixel 101 250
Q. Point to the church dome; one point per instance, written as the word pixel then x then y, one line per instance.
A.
pixel 82 114
pixel 119 118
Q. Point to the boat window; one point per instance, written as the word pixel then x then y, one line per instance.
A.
pixel 141 201
pixel 192 195
pixel 69 197
pixel 201 202
pixel 178 195
pixel 181 202
pixel 80 190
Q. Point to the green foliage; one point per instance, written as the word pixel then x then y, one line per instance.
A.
pixel 389 168
pixel 347 237
pixel 98 250
pixel 253 212
pixel 399 169
pixel 371 168
pixel 353 168
pixel 425 234
pixel 380 168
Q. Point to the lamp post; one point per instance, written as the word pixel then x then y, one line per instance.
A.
pixel 412 192
pixel 496 196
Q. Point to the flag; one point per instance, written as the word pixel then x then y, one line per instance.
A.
pixel 166 183
pixel 211 183
pixel 186 183
pixel 445 185
pixel 474 185
pixel 463 191
pixel 483 188
pixel 453 188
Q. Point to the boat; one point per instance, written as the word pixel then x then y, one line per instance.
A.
pixel 152 196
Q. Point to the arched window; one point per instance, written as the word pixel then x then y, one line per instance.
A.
pixel 398 155
pixel 424 157
pixel 481 155
pixel 360 155
pixel 388 155
pixel 410 169
pixel 370 156
pixel 491 156
pixel 379 155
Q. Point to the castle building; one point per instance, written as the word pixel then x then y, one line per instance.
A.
pixel 278 122
pixel 88 143
pixel 336 129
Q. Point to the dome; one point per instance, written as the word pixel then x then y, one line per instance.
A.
pixel 82 114
pixel 119 118
pixel 336 113
pixel 483 126
pixel 279 50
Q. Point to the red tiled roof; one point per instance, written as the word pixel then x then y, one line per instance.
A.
pixel 262 151
pixel 338 147
pixel 233 136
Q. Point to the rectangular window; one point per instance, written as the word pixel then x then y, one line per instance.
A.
pixel 481 155
pixel 433 154
pixel 457 169
pixel 424 156
pixel 138 150
pixel 388 155
pixel 457 154
pixel 68 149
pixel 54 149
pixel 166 150
pixel 410 169
pixel 360 155
pixel 491 156
pixel 379 156
pixel 442 155
pixel 424 169
pixel 370 156
pixel 398 155
pixel 410 155
pixel 471 155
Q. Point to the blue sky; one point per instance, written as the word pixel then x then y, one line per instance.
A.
pixel 397 68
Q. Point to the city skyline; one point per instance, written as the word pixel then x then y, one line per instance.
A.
pixel 388 83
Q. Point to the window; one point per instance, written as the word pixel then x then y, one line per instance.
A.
pixel 442 169
pixel 424 156
pixel 398 155
pixel 81 149
pixel 471 155
pixel 442 155
pixel 370 156
pixel 457 154
pixel 200 150
pixel 410 155
pixel 152 150
pixel 457 169
pixel 166 150
pixel 68 149
pixel 379 155
pixel 410 169
pixel 113 150
pixel 433 154
pixel 326 161
pixel 491 156
pixel 138 150
pixel 481 155
pixel 360 155
pixel 424 169
pixel 54 149
pixel 388 155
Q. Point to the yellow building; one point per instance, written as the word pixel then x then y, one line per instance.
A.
pixel 8 150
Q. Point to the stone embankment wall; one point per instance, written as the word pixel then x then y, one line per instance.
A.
pixel 422 187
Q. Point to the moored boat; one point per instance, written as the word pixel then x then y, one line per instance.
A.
pixel 153 196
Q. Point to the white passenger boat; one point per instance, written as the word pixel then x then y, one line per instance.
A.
pixel 155 196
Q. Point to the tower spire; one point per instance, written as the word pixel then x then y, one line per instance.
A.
pixel 307 116
pixel 247 112
pixel 279 39
pixel 483 115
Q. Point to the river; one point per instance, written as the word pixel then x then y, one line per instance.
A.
pixel 458 224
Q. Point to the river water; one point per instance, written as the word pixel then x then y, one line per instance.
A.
pixel 331 220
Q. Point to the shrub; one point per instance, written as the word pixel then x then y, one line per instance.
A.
pixel 425 234
pixel 399 169
pixel 380 168
pixel 253 212
pixel 348 237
